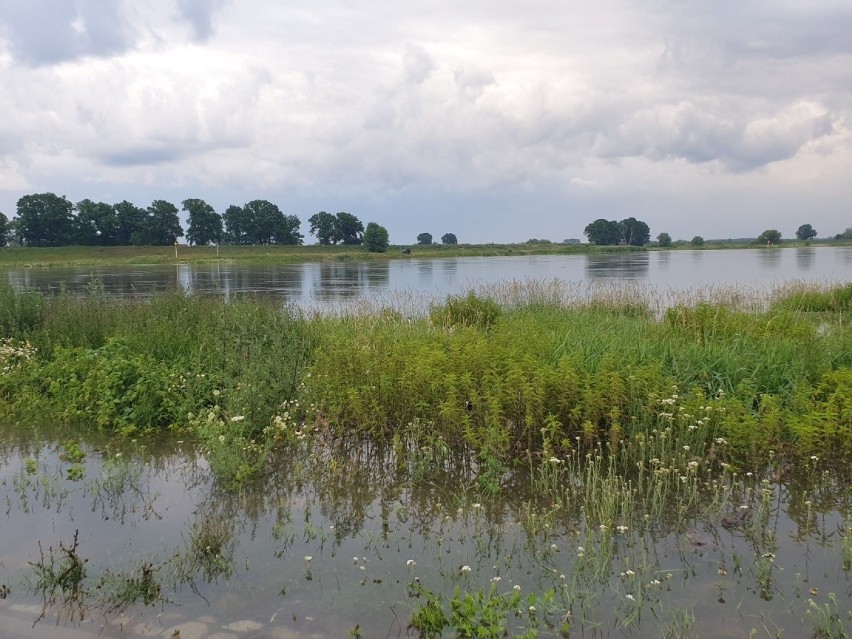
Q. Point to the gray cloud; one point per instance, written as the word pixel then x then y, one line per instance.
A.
pixel 199 14
pixel 50 31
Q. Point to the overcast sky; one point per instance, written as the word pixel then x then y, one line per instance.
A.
pixel 495 120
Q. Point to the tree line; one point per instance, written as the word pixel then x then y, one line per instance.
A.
pixel 46 219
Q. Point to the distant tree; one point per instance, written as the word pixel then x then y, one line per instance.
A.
pixel 287 230
pixel 323 227
pixel 846 235
pixel 634 232
pixel 163 227
pixel 806 232
pixel 603 232
pixel 236 225
pixel 424 239
pixel 376 238
pixel 664 240
pixel 4 230
pixel 263 219
pixel 97 224
pixel 697 241
pixel 769 236
pixel 45 219
pixel 449 238
pixel 132 222
pixel 348 229
pixel 205 224
pixel 533 240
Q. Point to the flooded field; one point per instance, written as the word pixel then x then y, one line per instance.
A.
pixel 114 537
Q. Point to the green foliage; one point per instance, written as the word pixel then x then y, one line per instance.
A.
pixel 205 225
pixel 806 232
pixel 664 240
pixel 45 219
pixel 449 238
pixel 423 239
pixel 376 238
pixel 769 236
pixel 603 232
pixel 837 299
pixel 20 311
pixel 697 241
pixel 469 310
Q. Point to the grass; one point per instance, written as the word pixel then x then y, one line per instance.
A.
pixel 504 380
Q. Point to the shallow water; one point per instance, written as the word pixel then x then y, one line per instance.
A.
pixel 332 539
pixel 336 282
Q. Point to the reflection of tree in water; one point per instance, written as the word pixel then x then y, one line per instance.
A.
pixel 337 281
pixel 617 265
pixel 769 256
pixel 376 274
pixel 805 257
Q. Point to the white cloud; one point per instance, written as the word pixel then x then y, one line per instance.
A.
pixel 620 107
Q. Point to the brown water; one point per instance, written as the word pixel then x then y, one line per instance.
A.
pixel 320 283
pixel 337 538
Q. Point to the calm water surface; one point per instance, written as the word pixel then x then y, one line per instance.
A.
pixel 311 283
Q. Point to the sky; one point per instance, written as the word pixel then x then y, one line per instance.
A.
pixel 496 120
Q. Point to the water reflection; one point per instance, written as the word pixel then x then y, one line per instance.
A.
pixel 805 257
pixel 770 257
pixel 623 266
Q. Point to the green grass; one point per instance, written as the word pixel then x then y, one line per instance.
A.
pixel 503 381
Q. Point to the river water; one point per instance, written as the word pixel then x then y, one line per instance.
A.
pixel 335 282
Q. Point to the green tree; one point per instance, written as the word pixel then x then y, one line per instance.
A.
pixel 287 230
pixel 846 235
pixel 205 224
pixel 163 227
pixel 604 232
pixel 697 241
pixel 376 238
pixel 4 230
pixel 664 240
pixel 236 225
pixel 45 219
pixel 132 223
pixel 769 236
pixel 634 232
pixel 424 239
pixel 323 227
pixel 449 238
pixel 97 224
pixel 806 232
pixel 348 229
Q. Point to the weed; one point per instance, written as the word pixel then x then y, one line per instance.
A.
pixel 59 577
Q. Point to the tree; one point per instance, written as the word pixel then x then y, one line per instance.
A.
pixel 323 227
pixel 846 235
pixel 287 230
pixel 424 239
pixel 205 224
pixel 603 232
pixel 634 232
pixel 236 225
pixel 697 241
pixel 769 236
pixel 376 238
pixel 132 222
pixel 449 238
pixel 97 224
pixel 348 229
pixel 4 230
pixel 806 232
pixel 664 240
pixel 163 227
pixel 45 219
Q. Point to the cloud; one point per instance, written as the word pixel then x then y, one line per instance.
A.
pixel 199 14
pixel 50 31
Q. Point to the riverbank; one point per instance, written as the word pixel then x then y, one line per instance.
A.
pixel 12 257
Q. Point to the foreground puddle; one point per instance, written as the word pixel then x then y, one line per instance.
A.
pixel 108 538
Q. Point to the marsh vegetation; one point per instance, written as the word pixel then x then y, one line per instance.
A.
pixel 504 463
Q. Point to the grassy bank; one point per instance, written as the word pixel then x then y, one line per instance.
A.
pixel 17 257
pixel 506 383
